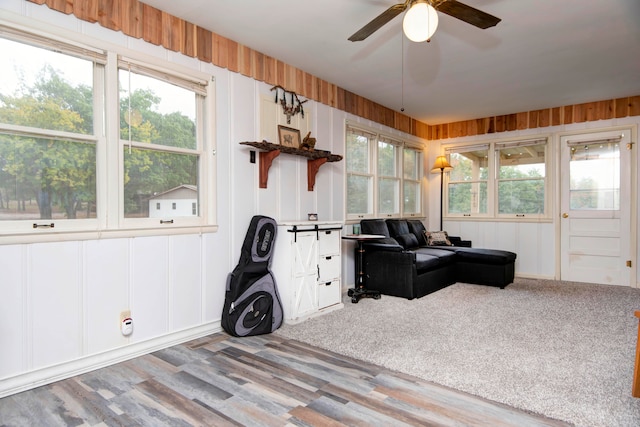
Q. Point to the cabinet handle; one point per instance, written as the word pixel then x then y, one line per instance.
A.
pixel 328 284
pixel 328 257
pixel 318 267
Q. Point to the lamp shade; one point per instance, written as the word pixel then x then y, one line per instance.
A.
pixel 420 22
pixel 441 165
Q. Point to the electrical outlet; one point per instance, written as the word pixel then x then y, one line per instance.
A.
pixel 124 315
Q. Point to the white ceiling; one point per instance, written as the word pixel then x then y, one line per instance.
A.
pixel 544 53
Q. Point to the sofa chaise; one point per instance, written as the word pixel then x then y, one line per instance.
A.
pixel 403 264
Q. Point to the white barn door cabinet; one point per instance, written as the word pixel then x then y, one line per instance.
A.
pixel 306 265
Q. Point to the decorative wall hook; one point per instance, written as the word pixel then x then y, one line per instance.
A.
pixel 292 108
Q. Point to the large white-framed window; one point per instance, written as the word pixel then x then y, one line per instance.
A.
pixel 468 183
pixel 412 172
pixel 505 179
pixel 384 175
pixel 521 178
pixel 360 152
pixel 51 124
pixel 93 140
pixel 388 176
pixel 162 144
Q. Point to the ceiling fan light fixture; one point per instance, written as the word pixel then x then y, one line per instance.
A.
pixel 420 22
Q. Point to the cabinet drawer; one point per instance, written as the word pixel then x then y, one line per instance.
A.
pixel 328 294
pixel 329 242
pixel 329 268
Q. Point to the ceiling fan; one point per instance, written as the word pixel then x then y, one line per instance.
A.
pixel 453 8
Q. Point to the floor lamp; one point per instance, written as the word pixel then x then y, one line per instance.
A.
pixel 441 164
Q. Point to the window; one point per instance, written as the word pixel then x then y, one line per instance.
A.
pixel 384 176
pixel 388 177
pixel 360 175
pixel 501 179
pixel 58 154
pixel 48 141
pixel 521 177
pixel 412 181
pixel 468 180
pixel 160 136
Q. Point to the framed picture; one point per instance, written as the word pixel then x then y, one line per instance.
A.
pixel 289 137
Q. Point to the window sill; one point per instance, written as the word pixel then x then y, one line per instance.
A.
pixel 68 236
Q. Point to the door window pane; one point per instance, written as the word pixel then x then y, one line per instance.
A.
pixel 594 171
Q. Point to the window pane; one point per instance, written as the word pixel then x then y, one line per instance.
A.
pixel 410 164
pixel 357 157
pixel 45 89
pixel 521 162
pixel 594 172
pixel 388 191
pixel 469 166
pixel 521 197
pixel 359 191
pixel 411 197
pixel 153 177
pixel 468 198
pixel 46 179
pixel 155 111
pixel 521 171
pixel 386 159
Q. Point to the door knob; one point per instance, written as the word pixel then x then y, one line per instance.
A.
pixel 565 215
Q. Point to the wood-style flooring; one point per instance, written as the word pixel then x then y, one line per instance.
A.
pixel 266 380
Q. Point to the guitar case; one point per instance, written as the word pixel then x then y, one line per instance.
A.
pixel 252 305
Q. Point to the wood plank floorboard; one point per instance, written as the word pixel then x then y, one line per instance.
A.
pixel 266 380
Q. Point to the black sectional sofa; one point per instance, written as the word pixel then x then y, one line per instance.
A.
pixel 402 264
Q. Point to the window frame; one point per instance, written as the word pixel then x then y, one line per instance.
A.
pixel 110 221
pixel 400 144
pixel 493 180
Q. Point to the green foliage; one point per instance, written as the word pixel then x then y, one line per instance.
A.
pixel 60 175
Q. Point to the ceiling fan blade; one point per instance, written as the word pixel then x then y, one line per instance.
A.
pixel 378 22
pixel 468 14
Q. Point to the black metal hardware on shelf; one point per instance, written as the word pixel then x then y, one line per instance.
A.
pixel 315 159
pixel 315 228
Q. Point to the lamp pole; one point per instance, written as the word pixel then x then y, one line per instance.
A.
pixel 440 165
pixel 441 192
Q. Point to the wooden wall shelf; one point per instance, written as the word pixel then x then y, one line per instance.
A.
pixel 315 159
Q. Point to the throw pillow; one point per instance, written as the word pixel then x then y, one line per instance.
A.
pixel 437 238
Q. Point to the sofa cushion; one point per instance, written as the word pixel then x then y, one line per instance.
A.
pixel 417 228
pixel 408 241
pixel 437 238
pixel 485 256
pixel 446 256
pixel 427 262
pixel 397 227
pixel 374 226
pixel 377 226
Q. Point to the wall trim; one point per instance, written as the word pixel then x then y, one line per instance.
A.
pixel 50 374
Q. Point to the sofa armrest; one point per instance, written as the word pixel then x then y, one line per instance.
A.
pixel 457 241
pixel 391 273
pixel 373 246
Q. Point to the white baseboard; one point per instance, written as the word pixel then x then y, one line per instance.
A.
pixel 43 376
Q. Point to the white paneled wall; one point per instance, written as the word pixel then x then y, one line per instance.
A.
pixel 60 303
pixel 533 242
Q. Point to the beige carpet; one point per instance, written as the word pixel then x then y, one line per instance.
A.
pixel 564 350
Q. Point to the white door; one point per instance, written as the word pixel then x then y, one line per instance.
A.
pixel 596 207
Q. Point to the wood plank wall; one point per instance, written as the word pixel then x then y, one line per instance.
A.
pixel 139 20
